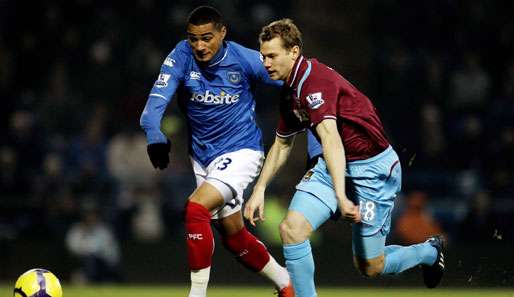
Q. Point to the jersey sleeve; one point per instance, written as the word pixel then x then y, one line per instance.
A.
pixel 172 72
pixel 258 72
pixel 320 100
pixel 170 76
pixel 287 128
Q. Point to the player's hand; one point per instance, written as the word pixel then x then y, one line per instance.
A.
pixel 349 211
pixel 255 203
pixel 159 154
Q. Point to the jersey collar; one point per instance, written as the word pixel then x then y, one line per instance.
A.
pixel 220 55
pixel 299 67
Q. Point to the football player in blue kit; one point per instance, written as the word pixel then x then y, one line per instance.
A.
pixel 215 82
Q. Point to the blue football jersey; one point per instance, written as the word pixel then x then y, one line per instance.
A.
pixel 217 99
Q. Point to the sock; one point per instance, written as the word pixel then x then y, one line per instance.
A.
pixel 199 282
pixel 276 273
pixel 199 238
pixel 400 258
pixel 300 265
pixel 248 250
pixel 252 253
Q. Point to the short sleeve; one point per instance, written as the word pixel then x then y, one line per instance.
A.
pixel 320 101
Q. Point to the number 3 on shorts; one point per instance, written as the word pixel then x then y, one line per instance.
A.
pixel 368 210
pixel 224 163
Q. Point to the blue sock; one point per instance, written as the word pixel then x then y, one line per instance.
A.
pixel 300 265
pixel 400 258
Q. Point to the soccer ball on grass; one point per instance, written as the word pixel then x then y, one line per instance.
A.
pixel 37 282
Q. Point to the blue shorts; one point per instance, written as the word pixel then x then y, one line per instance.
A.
pixel 373 183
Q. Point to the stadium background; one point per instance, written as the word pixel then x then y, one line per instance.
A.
pixel 74 77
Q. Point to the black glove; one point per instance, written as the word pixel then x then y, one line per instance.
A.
pixel 159 154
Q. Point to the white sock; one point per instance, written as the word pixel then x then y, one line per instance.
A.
pixel 276 273
pixel 199 282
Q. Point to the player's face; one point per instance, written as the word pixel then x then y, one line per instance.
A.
pixel 278 60
pixel 205 40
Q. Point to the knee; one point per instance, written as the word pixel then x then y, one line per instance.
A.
pixel 294 230
pixel 369 269
pixel 286 229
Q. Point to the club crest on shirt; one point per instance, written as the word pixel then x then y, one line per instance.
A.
pixel 315 100
pixel 234 77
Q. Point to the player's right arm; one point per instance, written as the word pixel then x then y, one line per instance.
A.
pixel 275 160
pixel 171 75
pixel 334 155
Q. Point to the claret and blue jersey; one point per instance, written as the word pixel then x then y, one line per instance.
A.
pixel 217 99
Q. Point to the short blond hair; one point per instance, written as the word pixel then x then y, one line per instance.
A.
pixel 286 30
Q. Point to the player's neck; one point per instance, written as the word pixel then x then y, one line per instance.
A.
pixel 293 71
pixel 288 79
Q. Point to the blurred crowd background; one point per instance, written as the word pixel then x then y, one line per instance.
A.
pixel 75 75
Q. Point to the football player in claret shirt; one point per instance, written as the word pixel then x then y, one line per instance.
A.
pixel 354 146
pixel 215 82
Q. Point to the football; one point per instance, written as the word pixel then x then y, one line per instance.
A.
pixel 37 282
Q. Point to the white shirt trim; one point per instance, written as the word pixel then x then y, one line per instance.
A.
pixel 326 117
pixel 223 58
pixel 158 95
pixel 296 71
pixel 290 134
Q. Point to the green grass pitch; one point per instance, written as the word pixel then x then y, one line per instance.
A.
pixel 226 291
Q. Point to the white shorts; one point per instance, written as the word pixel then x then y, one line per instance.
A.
pixel 230 174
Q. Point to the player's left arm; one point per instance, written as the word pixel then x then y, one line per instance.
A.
pixel 275 160
pixel 334 155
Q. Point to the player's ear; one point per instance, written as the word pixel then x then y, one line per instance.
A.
pixel 296 51
pixel 223 32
